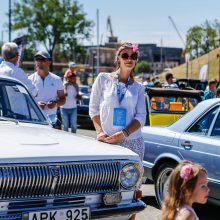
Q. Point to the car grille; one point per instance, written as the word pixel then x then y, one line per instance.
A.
pixel 35 181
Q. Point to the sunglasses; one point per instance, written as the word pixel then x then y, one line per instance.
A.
pixel 41 59
pixel 126 56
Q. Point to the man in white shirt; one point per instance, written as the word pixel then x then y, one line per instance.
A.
pixel 50 87
pixel 170 82
pixel 9 66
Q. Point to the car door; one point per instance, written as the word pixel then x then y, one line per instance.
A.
pixel 201 144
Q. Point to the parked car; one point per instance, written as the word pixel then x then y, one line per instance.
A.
pixel 194 137
pixel 83 118
pixel 84 90
pixel 193 83
pixel 165 106
pixel 50 174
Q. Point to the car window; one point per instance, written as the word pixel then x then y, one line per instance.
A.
pixel 16 103
pixel 159 103
pixel 202 126
pixel 173 104
pixel 216 128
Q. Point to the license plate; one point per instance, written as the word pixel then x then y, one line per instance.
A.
pixel 78 213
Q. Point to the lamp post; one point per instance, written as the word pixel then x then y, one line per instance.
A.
pixel 191 57
pixel 217 39
pixel 97 47
pixel 93 65
pixel 187 67
pixel 9 22
pixel 208 46
pixel 218 56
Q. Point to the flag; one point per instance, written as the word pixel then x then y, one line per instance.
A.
pixel 203 71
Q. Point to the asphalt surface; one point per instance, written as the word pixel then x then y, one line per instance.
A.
pixel 153 212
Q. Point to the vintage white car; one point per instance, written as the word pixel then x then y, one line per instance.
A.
pixel 46 174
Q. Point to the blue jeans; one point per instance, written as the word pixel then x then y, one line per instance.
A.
pixel 69 119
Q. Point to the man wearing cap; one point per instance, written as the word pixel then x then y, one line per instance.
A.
pixel 50 87
pixel 9 66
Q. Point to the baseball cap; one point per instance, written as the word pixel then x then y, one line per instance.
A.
pixel 43 54
pixel 72 64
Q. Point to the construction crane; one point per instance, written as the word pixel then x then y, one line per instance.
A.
pixel 111 38
pixel 180 36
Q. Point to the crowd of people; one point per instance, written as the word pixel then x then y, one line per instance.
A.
pixel 211 91
pixel 49 91
pixel 118 110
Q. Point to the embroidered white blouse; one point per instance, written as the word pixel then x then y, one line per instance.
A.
pixel 104 99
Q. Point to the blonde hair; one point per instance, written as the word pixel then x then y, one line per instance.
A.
pixel 180 190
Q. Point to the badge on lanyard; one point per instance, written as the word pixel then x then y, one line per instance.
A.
pixel 119 114
pixel 119 117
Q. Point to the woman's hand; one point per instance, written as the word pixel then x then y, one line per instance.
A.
pixel 101 136
pixel 115 138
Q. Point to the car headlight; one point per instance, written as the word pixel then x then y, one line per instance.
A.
pixel 129 176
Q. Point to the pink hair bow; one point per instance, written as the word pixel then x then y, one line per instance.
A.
pixel 186 172
pixel 135 48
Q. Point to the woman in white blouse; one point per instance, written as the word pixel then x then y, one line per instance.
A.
pixel 117 103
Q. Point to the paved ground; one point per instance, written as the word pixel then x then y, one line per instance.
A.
pixel 152 212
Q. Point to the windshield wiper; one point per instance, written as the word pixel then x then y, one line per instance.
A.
pixel 9 119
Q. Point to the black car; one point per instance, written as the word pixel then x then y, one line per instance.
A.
pixel 193 83
pixel 83 118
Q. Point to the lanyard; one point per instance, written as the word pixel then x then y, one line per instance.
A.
pixel 121 95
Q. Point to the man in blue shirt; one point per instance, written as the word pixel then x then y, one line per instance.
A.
pixel 210 91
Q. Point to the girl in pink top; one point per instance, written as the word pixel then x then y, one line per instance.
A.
pixel 188 184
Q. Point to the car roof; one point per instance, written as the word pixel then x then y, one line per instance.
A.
pixel 9 79
pixel 84 86
pixel 174 93
pixel 183 123
pixel 192 80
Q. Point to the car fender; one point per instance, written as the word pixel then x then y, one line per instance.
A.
pixel 164 158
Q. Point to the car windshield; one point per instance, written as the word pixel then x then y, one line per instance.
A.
pixel 172 104
pixel 16 103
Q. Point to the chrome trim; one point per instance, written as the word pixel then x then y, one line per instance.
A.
pixel 19 181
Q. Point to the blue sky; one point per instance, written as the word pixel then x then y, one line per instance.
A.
pixel 141 21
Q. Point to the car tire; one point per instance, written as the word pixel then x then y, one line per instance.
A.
pixel 161 181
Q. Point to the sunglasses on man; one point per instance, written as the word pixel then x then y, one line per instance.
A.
pixel 126 56
pixel 41 59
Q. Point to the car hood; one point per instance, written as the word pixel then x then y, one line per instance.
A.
pixel 158 133
pixel 27 143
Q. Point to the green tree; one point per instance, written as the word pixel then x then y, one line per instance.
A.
pixel 193 41
pixel 216 25
pixel 51 22
pixel 201 39
pixel 209 37
pixel 142 67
